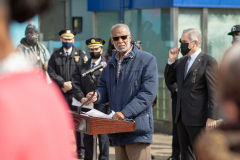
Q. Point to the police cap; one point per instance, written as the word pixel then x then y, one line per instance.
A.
pixel 95 43
pixel 234 29
pixel 67 34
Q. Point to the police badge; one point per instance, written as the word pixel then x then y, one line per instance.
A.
pixel 76 58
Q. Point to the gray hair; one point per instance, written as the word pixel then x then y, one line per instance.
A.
pixel 194 34
pixel 119 25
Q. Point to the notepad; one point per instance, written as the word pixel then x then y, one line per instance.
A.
pixel 97 113
pixel 78 104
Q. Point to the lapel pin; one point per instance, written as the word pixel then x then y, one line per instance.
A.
pixel 199 60
pixel 76 52
pixel 60 53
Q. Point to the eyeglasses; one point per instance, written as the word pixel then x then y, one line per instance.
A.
pixel 122 37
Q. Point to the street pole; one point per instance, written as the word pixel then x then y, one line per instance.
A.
pixel 121 11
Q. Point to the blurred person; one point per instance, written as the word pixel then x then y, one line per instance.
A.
pixel 61 66
pixel 138 43
pixel 34 125
pixel 175 141
pixel 109 52
pixel 235 33
pixel 82 86
pixel 126 83
pixel 196 77
pixel 33 50
pixel 224 142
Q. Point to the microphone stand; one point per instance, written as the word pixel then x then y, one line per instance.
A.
pixel 91 77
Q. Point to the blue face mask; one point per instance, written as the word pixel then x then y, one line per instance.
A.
pixel 67 45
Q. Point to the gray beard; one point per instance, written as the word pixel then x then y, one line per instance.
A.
pixel 122 50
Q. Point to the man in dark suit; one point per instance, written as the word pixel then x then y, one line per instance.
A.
pixel 175 141
pixel 195 75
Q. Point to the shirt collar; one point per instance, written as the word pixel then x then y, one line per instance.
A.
pixel 97 62
pixel 194 55
pixel 69 51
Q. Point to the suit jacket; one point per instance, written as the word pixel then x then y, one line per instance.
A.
pixel 61 67
pixel 197 99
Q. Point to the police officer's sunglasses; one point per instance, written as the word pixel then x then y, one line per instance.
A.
pixel 122 37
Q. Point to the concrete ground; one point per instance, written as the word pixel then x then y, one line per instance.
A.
pixel 161 147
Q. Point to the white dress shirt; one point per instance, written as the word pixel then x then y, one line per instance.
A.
pixel 69 51
pixel 96 63
pixel 192 59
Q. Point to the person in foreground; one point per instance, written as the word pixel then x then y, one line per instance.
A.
pixel 196 75
pixel 129 83
pixel 224 142
pixel 33 125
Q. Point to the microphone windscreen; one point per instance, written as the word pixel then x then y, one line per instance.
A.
pixel 104 64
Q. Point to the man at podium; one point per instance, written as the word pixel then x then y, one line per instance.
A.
pixel 129 83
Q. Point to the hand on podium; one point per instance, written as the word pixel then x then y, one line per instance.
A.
pixel 119 116
pixel 95 97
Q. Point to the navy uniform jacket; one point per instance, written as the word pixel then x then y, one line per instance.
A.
pixel 132 94
pixel 82 85
pixel 61 67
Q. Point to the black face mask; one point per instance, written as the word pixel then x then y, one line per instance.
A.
pixel 95 55
pixel 184 48
pixel 31 40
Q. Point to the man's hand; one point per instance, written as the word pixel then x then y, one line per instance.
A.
pixel 64 90
pixel 173 54
pixel 119 116
pixel 211 124
pixel 153 105
pixel 83 100
pixel 95 97
pixel 67 85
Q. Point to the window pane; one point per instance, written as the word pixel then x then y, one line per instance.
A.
pixel 105 21
pixel 220 22
pixel 55 17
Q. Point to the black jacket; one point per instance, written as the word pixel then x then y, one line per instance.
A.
pixel 197 100
pixel 61 67
pixel 82 85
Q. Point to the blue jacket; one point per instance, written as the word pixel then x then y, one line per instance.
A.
pixel 133 93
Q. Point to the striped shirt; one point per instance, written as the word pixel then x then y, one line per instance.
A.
pixel 119 61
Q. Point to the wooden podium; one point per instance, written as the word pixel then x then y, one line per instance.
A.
pixel 95 125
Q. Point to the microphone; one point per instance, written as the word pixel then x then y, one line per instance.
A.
pixel 101 65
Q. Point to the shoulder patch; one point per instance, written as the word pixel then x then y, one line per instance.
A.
pixel 85 58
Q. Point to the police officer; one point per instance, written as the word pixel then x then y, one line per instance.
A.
pixel 235 33
pixel 82 86
pixel 61 67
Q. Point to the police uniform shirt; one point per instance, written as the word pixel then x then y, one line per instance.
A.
pixel 67 53
pixel 95 63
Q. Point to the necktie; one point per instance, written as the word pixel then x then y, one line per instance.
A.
pixel 67 53
pixel 186 67
pixel 93 64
